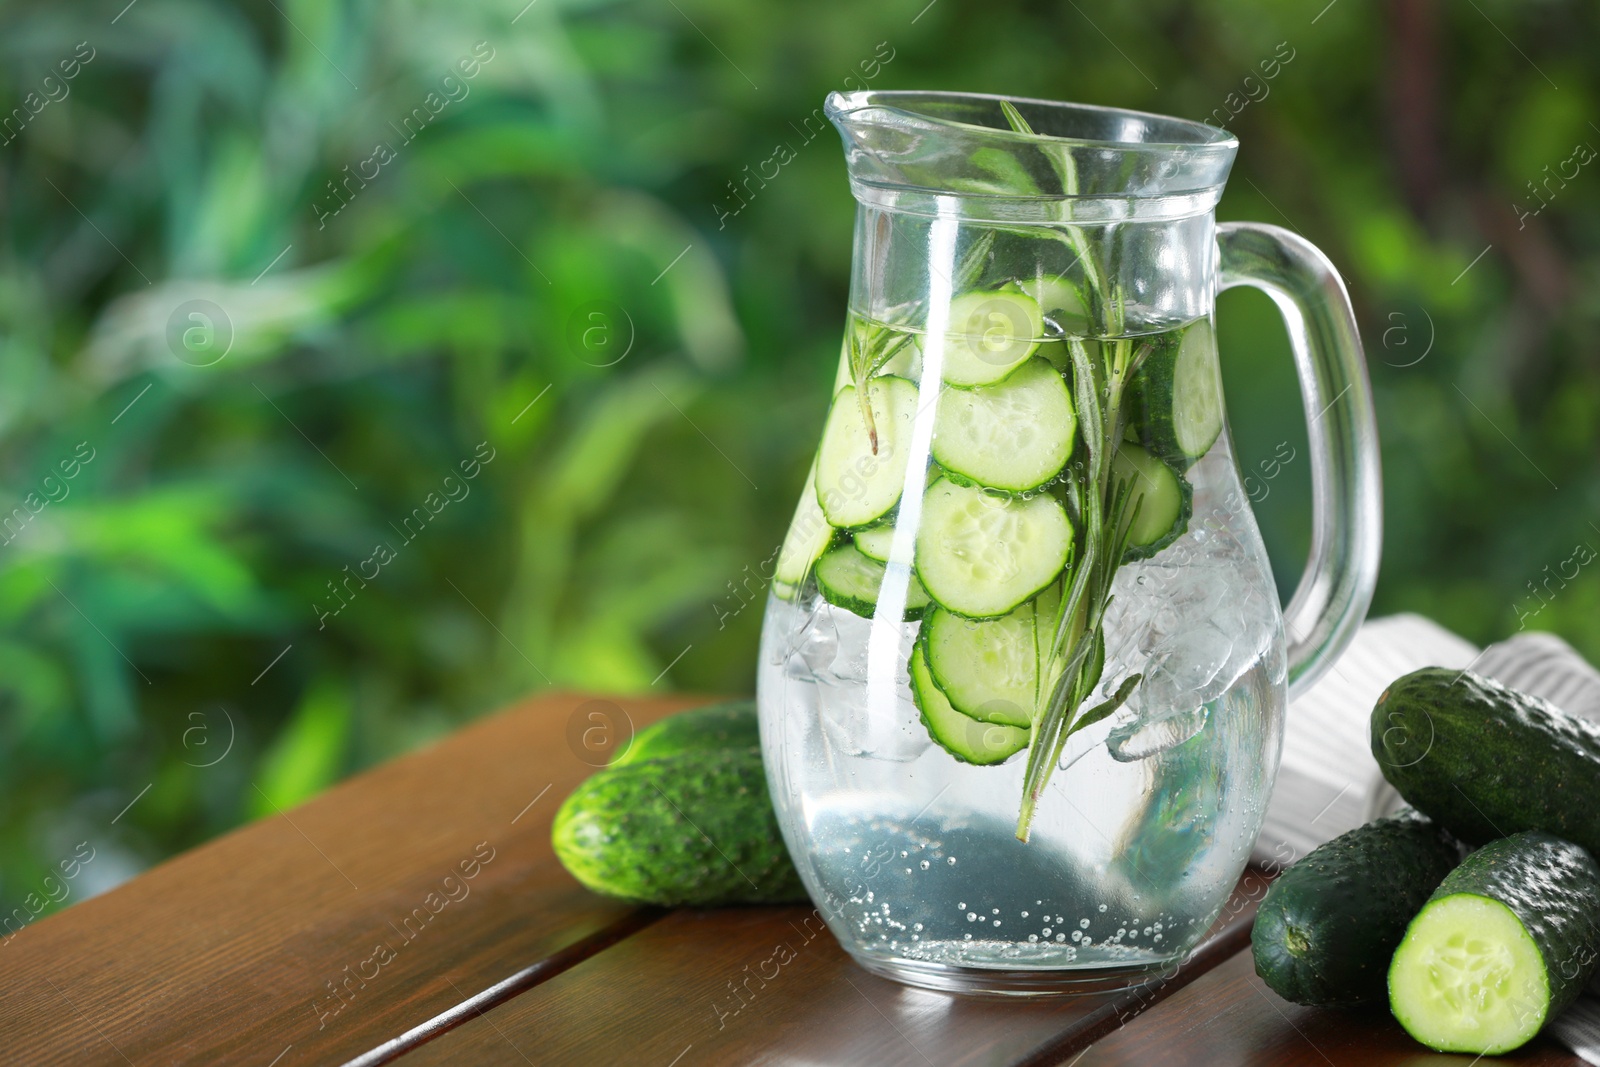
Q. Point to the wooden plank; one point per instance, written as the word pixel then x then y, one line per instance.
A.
pixel 1229 1018
pixel 315 936
pixel 759 985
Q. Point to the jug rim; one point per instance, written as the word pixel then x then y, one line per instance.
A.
pixel 840 105
pixel 940 153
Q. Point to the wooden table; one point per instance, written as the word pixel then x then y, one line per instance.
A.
pixel 416 915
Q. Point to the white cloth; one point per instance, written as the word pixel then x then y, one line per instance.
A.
pixel 1328 781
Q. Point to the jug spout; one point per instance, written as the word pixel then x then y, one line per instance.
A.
pixel 1005 159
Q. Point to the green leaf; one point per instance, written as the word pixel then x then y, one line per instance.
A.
pixel 308 755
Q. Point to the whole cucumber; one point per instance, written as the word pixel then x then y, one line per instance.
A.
pixel 1485 761
pixel 1329 925
pixel 730 725
pixel 696 828
pixel 1502 946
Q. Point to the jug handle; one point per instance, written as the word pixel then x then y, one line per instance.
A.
pixel 1347 499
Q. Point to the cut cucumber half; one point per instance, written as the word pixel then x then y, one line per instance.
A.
pixel 1468 978
pixel 1506 942
pixel 990 335
pixel 808 537
pixel 856 485
pixel 967 739
pixel 987 669
pixel 875 541
pixel 1014 435
pixel 1164 499
pixel 851 581
pixel 1177 396
pixel 982 555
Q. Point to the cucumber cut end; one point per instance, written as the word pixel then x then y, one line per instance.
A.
pixel 1469 978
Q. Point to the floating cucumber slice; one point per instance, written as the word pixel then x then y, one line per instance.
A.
pixel 987 669
pixel 1016 434
pixel 1506 942
pixel 1164 499
pixel 1177 396
pixel 851 581
pixel 982 555
pixel 990 335
pixel 967 739
pixel 874 541
pixel 855 484
pixel 808 537
pixel 1060 300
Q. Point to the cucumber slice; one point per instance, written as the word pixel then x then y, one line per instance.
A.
pixel 991 334
pixel 808 537
pixel 1504 944
pixel 855 484
pixel 1060 300
pixel 987 669
pixel 982 555
pixel 851 581
pixel 874 541
pixel 1164 499
pixel 1015 435
pixel 967 739
pixel 1177 396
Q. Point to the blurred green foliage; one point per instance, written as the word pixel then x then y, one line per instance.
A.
pixel 390 312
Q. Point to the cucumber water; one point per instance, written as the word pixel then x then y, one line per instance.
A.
pixel 956 483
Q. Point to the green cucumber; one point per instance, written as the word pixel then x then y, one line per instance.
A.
pixel 982 555
pixel 1503 945
pixel 965 738
pixel 988 669
pixel 875 541
pixel 1486 761
pixel 991 334
pixel 1329 925
pixel 719 726
pixel 849 580
pixel 808 537
pixel 1015 435
pixel 694 829
pixel 1176 397
pixel 856 483
pixel 1163 496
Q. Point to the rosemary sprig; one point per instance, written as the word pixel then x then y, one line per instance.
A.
pixel 1106 507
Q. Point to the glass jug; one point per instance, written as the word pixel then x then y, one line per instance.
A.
pixel 1023 668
